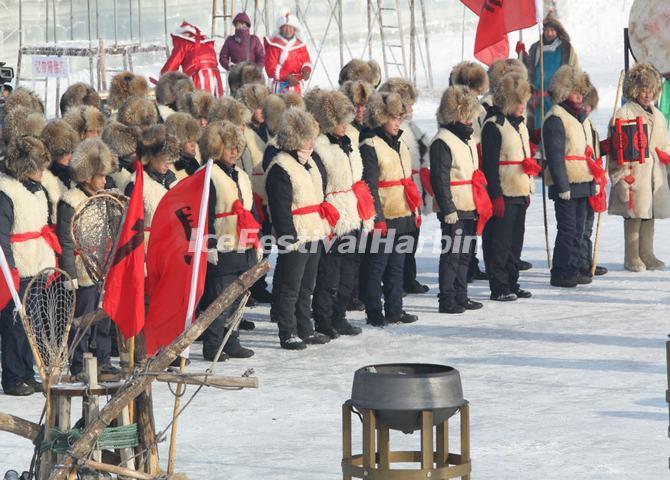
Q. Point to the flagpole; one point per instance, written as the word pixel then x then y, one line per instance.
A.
pixel 544 184
pixel 199 241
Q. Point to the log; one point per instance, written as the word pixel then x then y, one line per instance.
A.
pixel 144 408
pixel 19 426
pixel 216 381
pixel 138 383
pixel 120 471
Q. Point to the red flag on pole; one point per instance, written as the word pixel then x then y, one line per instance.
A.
pixel 496 19
pixel 124 287
pixel 171 257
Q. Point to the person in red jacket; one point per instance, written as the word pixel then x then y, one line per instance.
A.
pixel 195 54
pixel 287 60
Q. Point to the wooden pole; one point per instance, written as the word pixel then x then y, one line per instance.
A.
pixel 131 368
pixel 144 417
pixel 138 383
pixel 175 417
pixel 19 426
pixel 617 100
pixel 544 184
pixel 120 471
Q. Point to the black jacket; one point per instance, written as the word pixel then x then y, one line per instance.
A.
pixel 441 161
pixel 63 173
pixel 187 163
pixel 64 234
pixel 491 143
pixel 228 262
pixel 553 135
pixel 280 197
pixel 401 225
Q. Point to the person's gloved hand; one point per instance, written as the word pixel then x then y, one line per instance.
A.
pixel 564 195
pixel 499 207
pixel 306 73
pixel 451 218
pixel 520 47
pixel 292 81
pixel 213 256
pixel 71 285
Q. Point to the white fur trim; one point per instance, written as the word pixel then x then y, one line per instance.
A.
pixel 251 162
pixel 227 191
pixel 75 197
pixel 164 111
pixel 464 162
pixel 515 147
pixel 55 188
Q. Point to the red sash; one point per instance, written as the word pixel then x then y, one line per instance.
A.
pixel 46 233
pixel 247 226
pixel 481 198
pixel 366 205
pixel 529 165
pixel 324 209
pixel 411 194
pixel 424 175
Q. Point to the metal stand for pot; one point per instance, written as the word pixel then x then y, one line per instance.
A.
pixel 437 463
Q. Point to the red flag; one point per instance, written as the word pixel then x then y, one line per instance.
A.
pixel 170 261
pixel 496 19
pixel 5 291
pixel 124 286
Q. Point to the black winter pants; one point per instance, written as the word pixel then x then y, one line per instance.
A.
pixel 455 260
pixel 261 284
pixel 383 268
pixel 17 358
pixel 409 270
pixel 97 338
pixel 334 288
pixel 213 336
pixel 586 247
pixel 502 243
pixel 570 221
pixel 292 287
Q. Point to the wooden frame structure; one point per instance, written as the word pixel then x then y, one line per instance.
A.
pixel 377 459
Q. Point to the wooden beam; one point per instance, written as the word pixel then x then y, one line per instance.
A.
pixel 120 471
pixel 216 381
pixel 19 426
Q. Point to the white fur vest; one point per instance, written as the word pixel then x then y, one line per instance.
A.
pixel 227 191
pixel 122 178
pixel 152 194
pixel 343 171
pixel 464 162
pixel 55 188
pixel 30 217
pixel 514 149
pixel 74 198
pixel 251 162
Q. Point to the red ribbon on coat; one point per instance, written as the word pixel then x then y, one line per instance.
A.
pixel 46 233
pixel 247 226
pixel 366 205
pixel 324 209
pixel 411 194
pixel 598 201
pixel 480 197
pixel 258 203
pixel 529 165
pixel 662 156
pixel 424 175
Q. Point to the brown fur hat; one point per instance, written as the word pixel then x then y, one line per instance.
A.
pixel 157 142
pixel 231 110
pixel 198 103
pixel 402 87
pixel 273 107
pixel 296 127
pixel 79 94
pixel 512 90
pixel 121 139
pixel 170 86
pixel 357 69
pixel 566 80
pixel 23 97
pixel 21 121
pixel 642 76
pixel 382 106
pixel 26 155
pixel 334 109
pixel 252 95
pixel 138 112
pixel 84 119
pixel 553 22
pixel 458 102
pixel 357 91
pixel 59 138
pixel 500 68
pixel 92 157
pixel 292 99
pixel 244 73
pixel 471 75
pixel 313 98
pixel 125 85
pixel 184 127
pixel 591 97
pixel 219 135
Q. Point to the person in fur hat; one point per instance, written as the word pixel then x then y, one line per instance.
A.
pixel 187 131
pixel 91 162
pixel 123 86
pixel 231 110
pixel 600 200
pixel 87 121
pixel 138 112
pixel 558 51
pixel 61 140
pixel 473 76
pixel 640 192
pixel 23 97
pixel 350 195
pixel 387 169
pixel 415 140
pixel 358 92
pixel 157 150
pixel 295 183
pixel 509 172
pixel 198 104
pixel 21 121
pixel 360 70
pixel 170 87
pixel 79 94
pixel 256 135
pixel 244 73
pixel 287 60
pixel 29 246
pixel 195 54
pixel 122 140
pixel 569 151
pixel 462 204
pixel 232 221
pixel 242 46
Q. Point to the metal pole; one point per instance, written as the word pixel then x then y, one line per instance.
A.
pixel 463 35
pixel 139 20
pixel 53 7
pixel 341 32
pixel 370 29
pixel 427 42
pixel 381 37
pixel 71 20
pixel 97 21
pixel 46 24
pixel 116 24
pixel 165 26
pixel 412 42
pixel 544 183
pixel 130 18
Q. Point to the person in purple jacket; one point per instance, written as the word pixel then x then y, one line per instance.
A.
pixel 242 46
